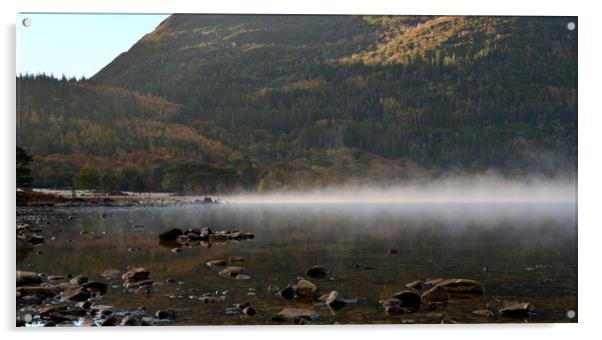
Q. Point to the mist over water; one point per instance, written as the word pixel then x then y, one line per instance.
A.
pixel 473 189
pixel 448 228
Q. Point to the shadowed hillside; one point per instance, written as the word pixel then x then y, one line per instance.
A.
pixel 305 101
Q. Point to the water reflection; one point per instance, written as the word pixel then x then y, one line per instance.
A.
pixel 432 241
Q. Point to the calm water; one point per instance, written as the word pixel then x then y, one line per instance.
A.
pixel 433 241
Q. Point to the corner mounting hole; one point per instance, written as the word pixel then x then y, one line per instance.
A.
pixel 571 26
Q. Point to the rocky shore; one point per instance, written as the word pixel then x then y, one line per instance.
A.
pixel 39 199
pixel 58 299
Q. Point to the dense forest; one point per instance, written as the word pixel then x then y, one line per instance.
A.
pixel 211 103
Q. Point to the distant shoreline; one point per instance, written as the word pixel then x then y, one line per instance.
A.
pixel 41 199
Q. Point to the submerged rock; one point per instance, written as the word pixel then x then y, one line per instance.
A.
pixel 516 309
pixel 483 312
pixel 296 316
pixel 232 271
pixel 170 234
pixel 111 273
pixel 235 259
pixel 217 263
pixel 317 272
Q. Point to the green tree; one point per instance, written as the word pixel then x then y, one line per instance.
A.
pixel 111 181
pixel 134 179
pixel 88 177
pixel 199 178
pixel 24 178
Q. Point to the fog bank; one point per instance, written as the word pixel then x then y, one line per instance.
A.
pixel 467 189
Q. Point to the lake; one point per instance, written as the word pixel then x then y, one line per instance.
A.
pixel 518 252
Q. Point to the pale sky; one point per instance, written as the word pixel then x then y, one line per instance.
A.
pixel 77 44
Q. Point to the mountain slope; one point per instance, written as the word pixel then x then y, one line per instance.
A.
pixel 365 75
pixel 316 100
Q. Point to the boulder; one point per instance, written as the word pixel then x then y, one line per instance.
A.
pixel 136 274
pixel 76 294
pixel 408 298
pixel 435 294
pixel 317 272
pixel 170 234
pixel 461 286
pixel 27 278
pixel 95 286
pixel 306 289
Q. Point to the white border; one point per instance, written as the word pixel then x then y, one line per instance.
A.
pixel 590 126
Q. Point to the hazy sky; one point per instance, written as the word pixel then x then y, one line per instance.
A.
pixel 77 44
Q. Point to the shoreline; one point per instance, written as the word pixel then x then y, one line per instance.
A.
pixel 34 199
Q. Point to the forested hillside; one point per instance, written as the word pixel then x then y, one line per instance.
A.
pixel 267 102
